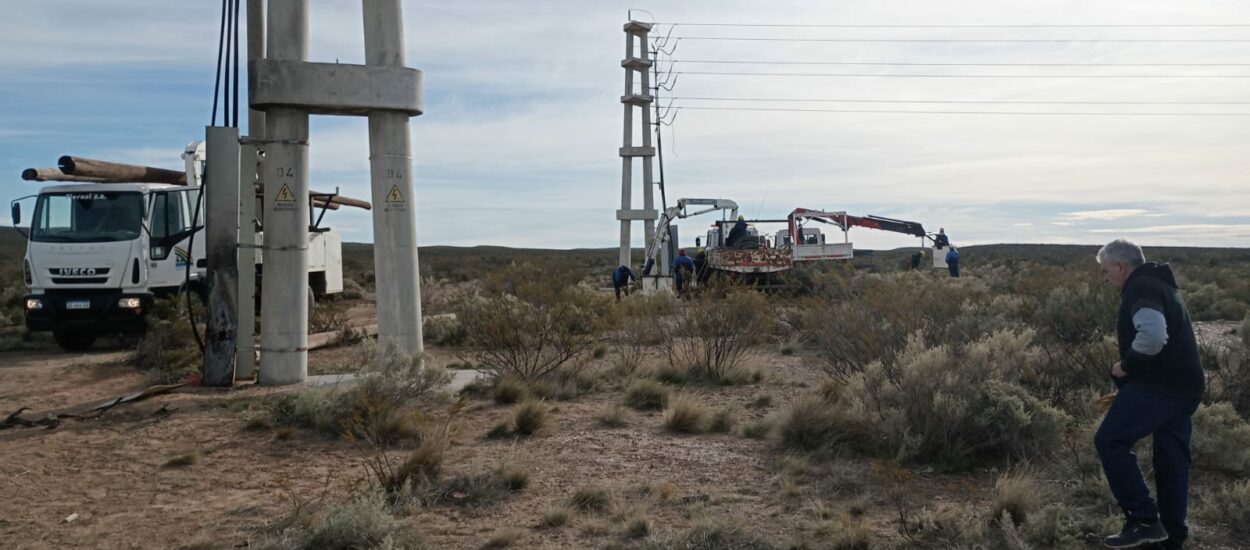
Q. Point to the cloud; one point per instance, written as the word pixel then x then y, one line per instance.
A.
pixel 1111 214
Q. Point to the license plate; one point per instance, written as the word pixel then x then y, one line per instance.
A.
pixel 78 304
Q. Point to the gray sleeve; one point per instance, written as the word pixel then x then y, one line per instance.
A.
pixel 1152 331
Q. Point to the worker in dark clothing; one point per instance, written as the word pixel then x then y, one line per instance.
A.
pixel 620 280
pixel 941 240
pixel 915 260
pixel 700 267
pixel 952 261
pixel 1160 381
pixel 736 234
pixel 683 270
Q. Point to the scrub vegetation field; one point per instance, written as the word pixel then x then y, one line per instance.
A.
pixel 867 407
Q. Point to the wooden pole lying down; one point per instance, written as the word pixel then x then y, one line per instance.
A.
pixel 55 174
pixel 118 172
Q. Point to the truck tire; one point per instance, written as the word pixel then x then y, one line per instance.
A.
pixel 73 341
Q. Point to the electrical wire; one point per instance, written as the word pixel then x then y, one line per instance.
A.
pixel 993 26
pixel 987 101
pixel 909 64
pixel 744 73
pixel 900 111
pixel 221 38
pixel 235 121
pixel 970 41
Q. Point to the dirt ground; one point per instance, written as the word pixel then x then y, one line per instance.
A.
pixel 104 482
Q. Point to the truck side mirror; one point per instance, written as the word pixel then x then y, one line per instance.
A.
pixel 17 214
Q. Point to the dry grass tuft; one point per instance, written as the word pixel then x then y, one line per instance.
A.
pixel 1017 495
pixel 722 422
pixel 554 517
pixel 684 415
pixel 590 499
pixel 530 417
pixel 503 538
pixel 182 461
pixel 646 395
pixel 509 390
pixel 612 415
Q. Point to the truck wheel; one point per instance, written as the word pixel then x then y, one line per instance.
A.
pixel 73 341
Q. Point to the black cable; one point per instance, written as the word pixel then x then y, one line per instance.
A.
pixel 991 102
pixel 900 111
pixel 743 73
pixel 186 281
pixel 229 55
pixel 221 38
pixel 235 123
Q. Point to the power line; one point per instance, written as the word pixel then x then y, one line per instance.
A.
pixel 910 64
pixel 960 40
pixel 962 102
pixel 1024 26
pixel 900 111
pixel 720 73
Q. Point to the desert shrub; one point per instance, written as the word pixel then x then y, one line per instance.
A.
pixel 956 407
pixel 167 352
pixel 612 415
pixel 352 290
pixel 327 317
pixel 1221 439
pixel 11 306
pixel 443 330
pixel 812 422
pixel 685 415
pixel 713 333
pixel 722 422
pixel 1017 497
pixel 646 395
pixel 365 522
pixel 509 390
pixel 847 335
pixel 1055 526
pixel 382 408
pixel 1208 302
pixel 530 417
pixel 1076 331
pixel 525 326
pixel 757 430
pixel 1228 506
pixel 946 527
pixel 590 499
pixel 481 488
pixel 711 537
pixel 554 517
pixel 1228 371
pixel 638 331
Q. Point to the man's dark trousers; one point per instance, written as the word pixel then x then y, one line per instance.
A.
pixel 1135 414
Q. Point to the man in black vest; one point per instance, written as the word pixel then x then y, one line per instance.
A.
pixel 1160 383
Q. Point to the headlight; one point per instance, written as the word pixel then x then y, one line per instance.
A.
pixel 129 303
pixel 34 303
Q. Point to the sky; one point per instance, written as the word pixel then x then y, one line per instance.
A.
pixel 518 142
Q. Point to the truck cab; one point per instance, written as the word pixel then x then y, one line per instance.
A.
pixel 100 254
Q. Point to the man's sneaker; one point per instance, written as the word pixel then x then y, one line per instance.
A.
pixel 1137 532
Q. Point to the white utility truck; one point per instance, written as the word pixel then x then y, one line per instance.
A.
pixel 98 255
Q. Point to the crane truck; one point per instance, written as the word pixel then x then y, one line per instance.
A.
pixel 102 247
pixel 755 259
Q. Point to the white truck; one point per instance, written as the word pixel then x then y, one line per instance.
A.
pixel 99 254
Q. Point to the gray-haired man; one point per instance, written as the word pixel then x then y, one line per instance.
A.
pixel 1160 384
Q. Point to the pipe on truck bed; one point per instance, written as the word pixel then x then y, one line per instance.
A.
pixel 55 174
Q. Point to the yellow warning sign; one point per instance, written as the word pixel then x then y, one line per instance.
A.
pixel 394 195
pixel 285 194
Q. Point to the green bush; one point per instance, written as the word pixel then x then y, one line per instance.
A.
pixel 1229 506
pixel 713 333
pixel 526 326
pixel 443 330
pixel 1221 439
pixel 364 523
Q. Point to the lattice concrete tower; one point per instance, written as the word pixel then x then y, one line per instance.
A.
pixel 638 96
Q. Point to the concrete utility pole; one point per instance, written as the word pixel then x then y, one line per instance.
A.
pixel 636 63
pixel 284 288
pixel 398 280
pixel 288 88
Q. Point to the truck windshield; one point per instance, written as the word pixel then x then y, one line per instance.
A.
pixel 87 217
